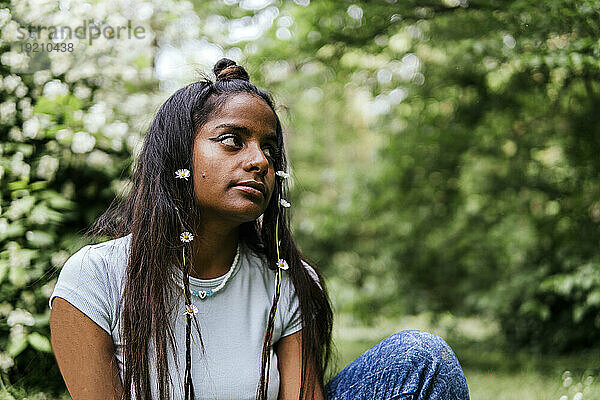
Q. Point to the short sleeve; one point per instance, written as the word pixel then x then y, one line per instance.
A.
pixel 84 282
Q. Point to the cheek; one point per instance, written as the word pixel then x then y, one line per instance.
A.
pixel 208 162
pixel 205 171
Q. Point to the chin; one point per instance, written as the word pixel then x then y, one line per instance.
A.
pixel 248 215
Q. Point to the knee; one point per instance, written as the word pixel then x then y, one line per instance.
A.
pixel 420 345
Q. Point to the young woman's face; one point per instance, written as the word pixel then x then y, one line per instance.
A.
pixel 233 158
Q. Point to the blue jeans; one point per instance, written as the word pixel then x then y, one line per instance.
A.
pixel 409 365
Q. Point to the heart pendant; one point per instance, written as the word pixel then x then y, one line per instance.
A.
pixel 202 294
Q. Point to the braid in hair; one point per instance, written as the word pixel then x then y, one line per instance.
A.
pixel 188 383
pixel 265 366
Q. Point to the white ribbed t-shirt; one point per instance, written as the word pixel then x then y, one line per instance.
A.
pixel 232 321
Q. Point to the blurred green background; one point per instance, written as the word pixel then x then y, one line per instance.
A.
pixel 444 157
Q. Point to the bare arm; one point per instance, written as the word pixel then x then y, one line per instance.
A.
pixel 84 353
pixel 289 356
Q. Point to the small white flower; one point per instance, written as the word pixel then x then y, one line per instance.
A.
pixel 281 263
pixel 191 309
pixel 186 237
pixel 182 173
pixel 282 174
pixel 284 203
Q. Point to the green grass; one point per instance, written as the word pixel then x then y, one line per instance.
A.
pixel 491 373
pixel 529 385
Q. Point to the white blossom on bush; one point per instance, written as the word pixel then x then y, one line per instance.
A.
pixel 47 167
pixel 55 88
pixel 17 61
pixel 10 31
pixel 8 111
pixel 83 142
pixel 17 333
pixel 21 91
pixel 20 316
pixel 82 92
pixel 116 130
pixel 31 127
pixel 26 107
pixel 41 77
pixel 95 118
pixel 11 82
pixel 6 362
pixel 4 16
pixel 48 288
pixel 19 167
pixel 98 159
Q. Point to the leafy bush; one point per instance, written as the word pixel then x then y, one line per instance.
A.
pixel 66 138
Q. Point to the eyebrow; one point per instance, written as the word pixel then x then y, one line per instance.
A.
pixel 242 129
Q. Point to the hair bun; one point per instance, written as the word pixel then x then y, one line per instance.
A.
pixel 226 69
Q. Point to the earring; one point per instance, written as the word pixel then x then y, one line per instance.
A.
pixel 203 175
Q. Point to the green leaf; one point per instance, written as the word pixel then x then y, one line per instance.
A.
pixel 58 202
pixel 39 342
pixel 16 345
pixel 3 269
pixel 40 238
pixel 16 185
pixel 593 298
pixel 18 276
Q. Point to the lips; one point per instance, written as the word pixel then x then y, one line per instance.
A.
pixel 253 187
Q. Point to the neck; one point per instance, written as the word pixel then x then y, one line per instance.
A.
pixel 213 250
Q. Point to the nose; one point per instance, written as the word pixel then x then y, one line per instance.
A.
pixel 257 160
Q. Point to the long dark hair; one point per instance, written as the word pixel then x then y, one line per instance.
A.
pixel 155 212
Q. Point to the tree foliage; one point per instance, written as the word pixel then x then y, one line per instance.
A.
pixel 444 154
pixel 480 192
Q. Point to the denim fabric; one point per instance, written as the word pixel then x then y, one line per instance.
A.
pixel 409 365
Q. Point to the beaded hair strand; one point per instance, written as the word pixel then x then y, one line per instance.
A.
pixel 282 265
pixel 190 308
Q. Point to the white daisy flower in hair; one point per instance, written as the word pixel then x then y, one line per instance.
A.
pixel 281 263
pixel 186 237
pixel 182 173
pixel 190 309
pixel 282 174
pixel 284 203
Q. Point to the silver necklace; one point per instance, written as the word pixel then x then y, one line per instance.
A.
pixel 203 294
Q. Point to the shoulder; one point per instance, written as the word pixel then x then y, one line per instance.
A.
pixel 102 262
pixel 91 280
pixel 116 247
pixel 114 252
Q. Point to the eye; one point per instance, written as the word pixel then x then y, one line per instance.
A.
pixel 230 140
pixel 270 152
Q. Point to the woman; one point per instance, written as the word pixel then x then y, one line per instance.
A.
pixel 202 254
